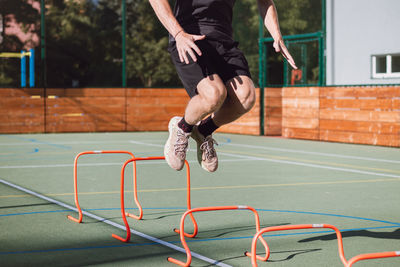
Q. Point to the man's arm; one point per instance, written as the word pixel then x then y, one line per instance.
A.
pixel 270 16
pixel 185 43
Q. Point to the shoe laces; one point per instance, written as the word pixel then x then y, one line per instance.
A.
pixel 181 144
pixel 208 147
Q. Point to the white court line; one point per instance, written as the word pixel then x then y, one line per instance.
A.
pixel 291 151
pixel 91 215
pixel 313 153
pixel 99 164
pixel 230 144
pixel 30 143
pixel 295 163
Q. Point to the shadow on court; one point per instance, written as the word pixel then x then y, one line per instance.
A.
pixel 293 253
pixel 363 233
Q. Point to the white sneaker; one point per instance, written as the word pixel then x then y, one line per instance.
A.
pixel 176 146
pixel 206 154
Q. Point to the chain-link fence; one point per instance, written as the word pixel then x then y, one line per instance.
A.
pixel 86 43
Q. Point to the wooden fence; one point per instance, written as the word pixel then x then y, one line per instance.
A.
pixel 363 115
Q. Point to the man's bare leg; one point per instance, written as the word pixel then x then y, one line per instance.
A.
pixel 211 95
pixel 241 98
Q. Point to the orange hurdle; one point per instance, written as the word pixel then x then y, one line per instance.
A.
pixel 346 263
pixel 190 211
pixel 79 220
pixel 128 232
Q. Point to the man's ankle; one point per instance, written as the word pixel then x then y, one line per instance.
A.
pixel 207 126
pixel 186 127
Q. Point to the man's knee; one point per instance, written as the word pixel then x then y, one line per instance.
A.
pixel 213 92
pixel 243 90
pixel 249 100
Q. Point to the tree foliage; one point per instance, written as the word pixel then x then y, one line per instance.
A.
pixel 83 39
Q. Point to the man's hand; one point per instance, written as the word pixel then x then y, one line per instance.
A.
pixel 185 44
pixel 280 46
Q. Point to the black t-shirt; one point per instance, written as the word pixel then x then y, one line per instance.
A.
pixel 212 18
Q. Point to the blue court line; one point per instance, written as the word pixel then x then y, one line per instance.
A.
pixel 39 142
pixel 104 209
pixel 332 215
pixel 35 150
pixel 119 226
pixel 183 208
pixel 188 241
pixel 227 141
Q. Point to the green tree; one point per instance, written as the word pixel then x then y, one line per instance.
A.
pixel 149 63
pixel 81 41
pixel 245 26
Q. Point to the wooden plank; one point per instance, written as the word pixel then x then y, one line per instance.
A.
pixel 23 112
pixel 273 102
pixel 300 113
pixel 363 104
pixel 310 134
pixel 272 112
pixel 86 92
pixel 158 92
pixel 85 110
pixel 21 128
pixel 106 118
pixel 21 92
pixel 361 126
pixel 154 101
pixel 310 102
pixel 239 129
pixel 19 102
pixel 273 126
pixel 360 115
pixel 85 127
pixel 22 118
pixel 290 92
pixel 356 92
pixel 360 138
pixel 301 123
pixel 148 126
pixel 167 111
pixel 273 92
pixel 82 101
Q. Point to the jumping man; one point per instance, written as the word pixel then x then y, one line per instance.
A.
pixel 212 69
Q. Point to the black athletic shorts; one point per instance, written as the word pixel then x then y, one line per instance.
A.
pixel 222 58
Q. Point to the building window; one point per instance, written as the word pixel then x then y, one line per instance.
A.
pixel 386 66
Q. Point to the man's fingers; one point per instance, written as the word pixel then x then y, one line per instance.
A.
pixel 187 47
pixel 198 37
pixel 192 55
pixel 288 57
pixel 196 48
pixel 280 47
pixel 184 56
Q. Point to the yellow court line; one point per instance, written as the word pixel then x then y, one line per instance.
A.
pixel 267 156
pixel 218 187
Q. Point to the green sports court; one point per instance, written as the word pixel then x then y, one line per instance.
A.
pixel 309 176
pixel 288 182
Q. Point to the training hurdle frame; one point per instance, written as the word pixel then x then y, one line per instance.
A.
pixel 123 213
pixel 346 263
pixel 122 191
pixel 96 152
pixel 216 208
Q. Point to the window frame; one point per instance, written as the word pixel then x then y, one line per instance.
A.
pixel 388 73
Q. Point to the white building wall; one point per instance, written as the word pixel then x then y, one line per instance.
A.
pixel 356 30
